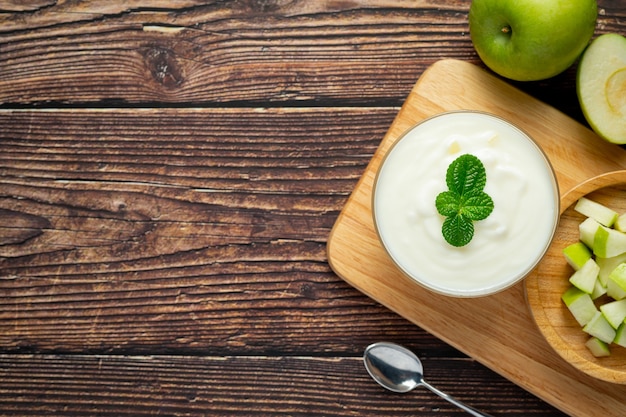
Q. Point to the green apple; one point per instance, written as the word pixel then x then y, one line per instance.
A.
pixel 608 265
pixel 587 230
pixel 598 290
pixel 608 242
pixel 614 312
pixel 620 335
pixel 579 304
pixel 614 290
pixel 600 328
pixel 601 86
pixel 599 212
pixel 618 276
pixel 529 40
pixel 598 348
pixel 585 278
pixel 620 223
pixel 577 254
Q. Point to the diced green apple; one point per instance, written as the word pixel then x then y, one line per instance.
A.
pixel 620 223
pixel 609 242
pixel 598 290
pixel 599 212
pixel 599 263
pixel 600 328
pixel 614 312
pixel 620 335
pixel 601 86
pixel 607 265
pixel 577 254
pixel 585 278
pixel 580 304
pixel 587 230
pixel 598 348
pixel 619 276
pixel 615 291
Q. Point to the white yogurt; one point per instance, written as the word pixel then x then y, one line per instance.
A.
pixel 507 245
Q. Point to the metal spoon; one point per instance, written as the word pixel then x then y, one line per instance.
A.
pixel 400 370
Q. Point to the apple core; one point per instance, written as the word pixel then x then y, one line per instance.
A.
pixel 616 91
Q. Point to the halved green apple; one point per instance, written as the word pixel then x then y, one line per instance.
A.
pixel 601 86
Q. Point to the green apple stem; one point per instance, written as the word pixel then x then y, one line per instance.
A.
pixel 506 29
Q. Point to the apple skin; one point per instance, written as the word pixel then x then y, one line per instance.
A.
pixel 544 38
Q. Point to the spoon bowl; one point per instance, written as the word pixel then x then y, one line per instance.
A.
pixel 393 367
pixel 397 369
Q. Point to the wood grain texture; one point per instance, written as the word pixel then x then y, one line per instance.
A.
pixel 178 385
pixel 146 229
pixel 241 52
pixel 169 174
pixel 270 51
pixel 356 254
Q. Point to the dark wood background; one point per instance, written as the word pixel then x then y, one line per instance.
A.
pixel 169 174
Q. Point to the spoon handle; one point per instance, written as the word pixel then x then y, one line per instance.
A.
pixel 454 401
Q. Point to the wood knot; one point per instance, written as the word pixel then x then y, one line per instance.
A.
pixel 308 291
pixel 18 228
pixel 164 66
pixel 268 6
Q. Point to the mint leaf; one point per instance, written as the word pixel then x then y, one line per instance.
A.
pixel 458 230
pixel 465 201
pixel 478 206
pixel 466 173
pixel 448 203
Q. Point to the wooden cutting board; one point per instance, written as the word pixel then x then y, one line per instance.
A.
pixel 499 330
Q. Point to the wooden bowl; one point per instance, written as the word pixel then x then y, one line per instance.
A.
pixel 545 287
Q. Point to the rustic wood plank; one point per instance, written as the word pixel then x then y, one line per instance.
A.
pixel 47 385
pixel 173 230
pixel 294 53
pixel 273 174
pixel 170 230
pixel 300 51
pixel 24 5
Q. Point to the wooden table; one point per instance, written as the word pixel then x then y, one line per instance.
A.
pixel 169 174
